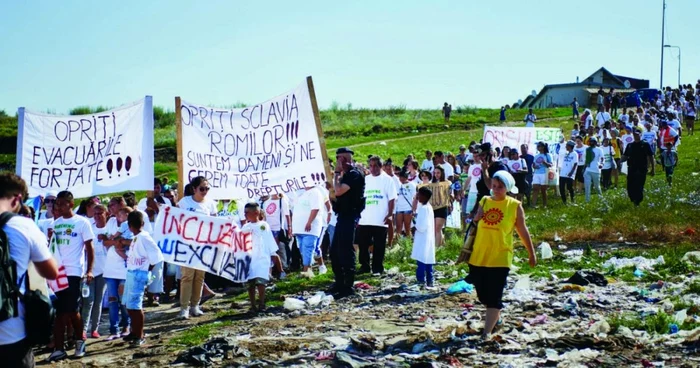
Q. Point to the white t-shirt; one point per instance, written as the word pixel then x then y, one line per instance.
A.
pixel 379 190
pixel 42 215
pixel 608 156
pixel 567 163
pixel 324 212
pixel 143 252
pixel 474 176
pixel 626 139
pixel 623 118
pixel 588 122
pixel 602 117
pixel 263 248
pixel 515 166
pixel 675 124
pixel 276 210
pixel 71 235
pixel 115 265
pixel 427 165
pixel 597 160
pixel 98 265
pixel 581 153
pixel 530 120
pixel 424 240
pixel 650 137
pixel 449 170
pixel 45 225
pixel 404 200
pixel 308 201
pixel 206 207
pixel 27 244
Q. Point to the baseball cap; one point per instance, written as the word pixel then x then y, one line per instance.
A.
pixel 462 147
pixel 342 150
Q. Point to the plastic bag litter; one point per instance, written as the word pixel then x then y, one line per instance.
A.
pixel 316 299
pixel 692 256
pixel 640 263
pixel 460 286
pixel 545 251
pixel 600 327
pixel 292 304
pixel 680 316
pixel 393 271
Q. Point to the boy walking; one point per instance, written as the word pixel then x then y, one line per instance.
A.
pixel 669 160
pixel 424 240
pixel 264 248
pixel 144 254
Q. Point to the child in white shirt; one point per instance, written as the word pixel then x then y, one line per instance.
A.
pixel 263 250
pixel 424 240
pixel 144 254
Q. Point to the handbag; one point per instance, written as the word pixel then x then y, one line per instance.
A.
pixel 468 246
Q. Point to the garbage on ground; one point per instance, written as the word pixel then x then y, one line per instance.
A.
pixel 584 278
pixel 640 263
pixel 638 273
pixel 460 286
pixel 210 352
pixel 573 287
pixel 320 298
pixel 545 251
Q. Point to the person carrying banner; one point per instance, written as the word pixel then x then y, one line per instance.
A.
pixel 349 188
pixel 25 244
pixel 192 281
pixel 74 238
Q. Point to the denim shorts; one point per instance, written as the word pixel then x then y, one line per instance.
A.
pixel 136 282
pixel 307 246
pixel 404 212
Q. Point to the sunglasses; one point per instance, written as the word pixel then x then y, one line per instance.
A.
pixel 204 189
pixel 49 201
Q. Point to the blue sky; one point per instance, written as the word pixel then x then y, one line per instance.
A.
pixel 60 54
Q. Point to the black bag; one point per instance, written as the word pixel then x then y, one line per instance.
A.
pixel 282 236
pixel 8 275
pixel 39 315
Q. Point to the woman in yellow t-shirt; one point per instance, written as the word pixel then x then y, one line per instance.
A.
pixel 490 261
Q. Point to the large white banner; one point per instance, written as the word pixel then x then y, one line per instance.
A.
pixel 105 152
pixel 269 148
pixel 212 244
pixel 500 136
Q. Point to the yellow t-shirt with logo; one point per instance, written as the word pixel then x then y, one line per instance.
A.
pixel 493 246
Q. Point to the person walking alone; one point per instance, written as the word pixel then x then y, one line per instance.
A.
pixel 639 157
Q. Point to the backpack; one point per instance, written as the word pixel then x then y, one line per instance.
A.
pixel 9 295
pixel 39 313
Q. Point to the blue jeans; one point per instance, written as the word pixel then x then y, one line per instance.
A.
pixel 307 246
pixel 331 231
pixel 424 273
pixel 115 306
pixel 591 179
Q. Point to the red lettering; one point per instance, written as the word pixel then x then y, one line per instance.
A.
pixel 183 234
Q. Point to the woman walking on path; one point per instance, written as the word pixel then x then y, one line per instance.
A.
pixel 498 215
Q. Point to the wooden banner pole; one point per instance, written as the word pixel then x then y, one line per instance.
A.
pixel 178 140
pixel 319 130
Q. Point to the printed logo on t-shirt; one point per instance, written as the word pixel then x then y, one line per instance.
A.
pixel 516 166
pixel 271 208
pixel 539 160
pixel 493 216
pixel 476 172
pixel 629 139
pixel 373 196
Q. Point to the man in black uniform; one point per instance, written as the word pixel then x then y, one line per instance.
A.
pixel 349 186
pixel 639 157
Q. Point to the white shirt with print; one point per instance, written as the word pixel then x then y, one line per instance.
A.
pixel 71 235
pixel 406 193
pixel 567 163
pixel 276 212
pixel 143 252
pixel 379 190
pixel 98 265
pixel 263 248
pixel 115 265
pixel 206 207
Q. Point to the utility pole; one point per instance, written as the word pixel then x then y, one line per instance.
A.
pixel 663 28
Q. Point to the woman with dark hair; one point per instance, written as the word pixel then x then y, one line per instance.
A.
pixel 189 190
pixel 425 177
pixel 441 202
pixel 412 170
pixel 540 179
pixel 518 168
pixel 192 280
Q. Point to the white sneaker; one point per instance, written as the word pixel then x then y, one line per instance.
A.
pixel 184 314
pixel 322 269
pixel 283 275
pixel 196 312
pixel 309 273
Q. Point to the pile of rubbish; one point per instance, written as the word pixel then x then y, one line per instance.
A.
pixel 588 318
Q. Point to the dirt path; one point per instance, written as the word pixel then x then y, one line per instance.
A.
pixel 507 123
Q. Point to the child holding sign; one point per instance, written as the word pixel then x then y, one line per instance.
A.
pixel 263 250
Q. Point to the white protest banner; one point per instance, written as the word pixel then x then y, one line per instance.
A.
pixel 500 136
pixel 269 148
pixel 100 153
pixel 211 244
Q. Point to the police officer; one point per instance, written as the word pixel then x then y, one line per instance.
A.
pixel 349 187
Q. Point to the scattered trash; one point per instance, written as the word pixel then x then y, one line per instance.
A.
pixel 673 328
pixel 692 257
pixel 573 287
pixel 557 238
pixel 600 327
pixel 545 251
pixel 210 352
pixel 640 263
pixel 362 286
pixel 562 247
pixel 460 286
pixel 681 316
pixel 292 304
pixel 539 320
pixel 638 273
pixel 584 278
pixel 393 271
